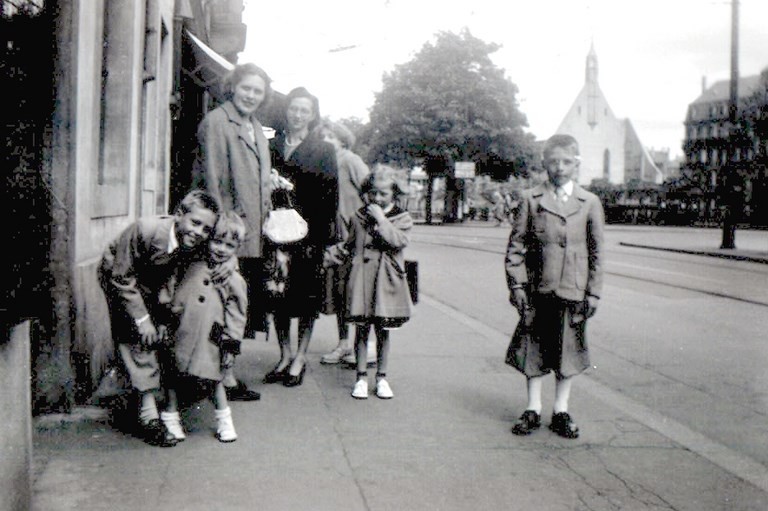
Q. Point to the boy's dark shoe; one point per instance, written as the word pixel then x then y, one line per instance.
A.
pixel 563 425
pixel 241 393
pixel 155 433
pixel 528 422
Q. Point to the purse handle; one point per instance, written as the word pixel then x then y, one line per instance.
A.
pixel 285 202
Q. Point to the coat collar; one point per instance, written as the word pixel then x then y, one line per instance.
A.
pixel 235 117
pixel 547 201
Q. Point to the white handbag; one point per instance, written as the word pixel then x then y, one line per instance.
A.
pixel 285 225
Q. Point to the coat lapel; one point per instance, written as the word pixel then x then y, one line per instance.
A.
pixel 547 200
pixel 573 204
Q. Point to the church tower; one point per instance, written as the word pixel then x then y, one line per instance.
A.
pixel 610 148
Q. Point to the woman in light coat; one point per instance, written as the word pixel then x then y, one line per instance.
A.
pixel 233 164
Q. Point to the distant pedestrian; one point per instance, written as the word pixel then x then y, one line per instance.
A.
pixel 554 272
pixel 377 290
pixel 133 270
pixel 208 326
pixel 352 174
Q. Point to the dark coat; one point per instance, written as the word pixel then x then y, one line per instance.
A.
pixel 312 169
pixel 235 170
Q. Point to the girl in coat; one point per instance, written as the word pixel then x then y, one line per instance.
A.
pixel 208 327
pixel 377 289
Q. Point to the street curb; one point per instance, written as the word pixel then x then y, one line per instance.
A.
pixel 736 257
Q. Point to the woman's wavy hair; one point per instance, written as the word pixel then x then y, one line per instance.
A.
pixel 237 75
pixel 302 92
pixel 340 131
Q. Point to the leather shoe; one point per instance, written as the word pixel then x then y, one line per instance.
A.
pixel 241 393
pixel 563 425
pixel 528 422
pixel 275 376
pixel 155 433
pixel 294 381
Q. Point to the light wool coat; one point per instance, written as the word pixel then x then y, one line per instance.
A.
pixel 199 304
pixel 377 287
pixel 557 248
pixel 235 170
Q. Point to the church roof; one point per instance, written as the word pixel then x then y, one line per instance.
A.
pixel 721 90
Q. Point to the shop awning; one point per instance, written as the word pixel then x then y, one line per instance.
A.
pixel 209 67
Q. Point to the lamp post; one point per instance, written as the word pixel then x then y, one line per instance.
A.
pixel 732 201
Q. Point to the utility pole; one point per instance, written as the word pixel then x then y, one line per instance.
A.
pixel 729 180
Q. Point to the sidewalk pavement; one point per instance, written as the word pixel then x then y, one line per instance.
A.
pixel 442 443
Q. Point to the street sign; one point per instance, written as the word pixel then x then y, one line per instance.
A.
pixel 464 170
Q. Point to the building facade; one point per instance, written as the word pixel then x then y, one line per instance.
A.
pixel 611 150
pixel 725 161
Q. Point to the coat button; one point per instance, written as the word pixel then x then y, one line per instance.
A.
pixel 562 243
pixel 563 221
pixel 206 282
pixel 201 299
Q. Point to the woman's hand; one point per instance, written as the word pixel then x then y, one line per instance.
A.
pixel 278 182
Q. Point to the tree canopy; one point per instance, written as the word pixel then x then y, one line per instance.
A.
pixel 451 103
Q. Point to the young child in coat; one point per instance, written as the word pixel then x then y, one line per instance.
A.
pixel 209 325
pixel 377 289
pixel 554 272
pixel 133 270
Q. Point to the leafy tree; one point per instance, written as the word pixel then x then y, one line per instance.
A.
pixel 451 103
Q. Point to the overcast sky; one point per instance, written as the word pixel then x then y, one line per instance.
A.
pixel 652 54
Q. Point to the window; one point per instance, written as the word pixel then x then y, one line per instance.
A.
pixel 607 164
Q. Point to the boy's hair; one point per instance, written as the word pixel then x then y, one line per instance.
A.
pixel 340 131
pixel 560 140
pixel 385 173
pixel 197 198
pixel 240 71
pixel 229 222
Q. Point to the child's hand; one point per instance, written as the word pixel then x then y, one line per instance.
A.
pixel 223 271
pixel 227 360
pixel 591 306
pixel 374 211
pixel 162 334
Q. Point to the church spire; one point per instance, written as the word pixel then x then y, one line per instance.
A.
pixel 592 87
pixel 591 69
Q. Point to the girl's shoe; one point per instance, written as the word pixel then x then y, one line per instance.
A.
pixel 360 390
pixel 336 355
pixel 225 428
pixel 172 422
pixel 383 391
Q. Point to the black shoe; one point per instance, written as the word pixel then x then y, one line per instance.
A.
pixel 155 433
pixel 294 381
pixel 275 376
pixel 528 422
pixel 241 393
pixel 563 425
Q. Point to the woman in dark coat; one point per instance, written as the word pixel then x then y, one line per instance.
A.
pixel 233 165
pixel 296 281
